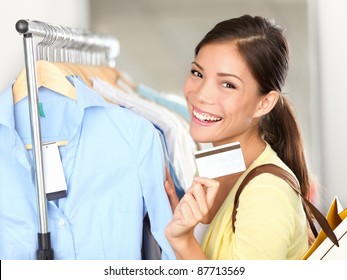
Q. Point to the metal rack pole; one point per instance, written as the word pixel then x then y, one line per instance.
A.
pixel 44 251
pixel 30 29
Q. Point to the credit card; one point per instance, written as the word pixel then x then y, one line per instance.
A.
pixel 220 161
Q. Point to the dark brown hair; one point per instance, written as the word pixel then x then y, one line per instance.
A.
pixel 264 48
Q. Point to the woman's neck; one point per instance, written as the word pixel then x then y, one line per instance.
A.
pixel 251 149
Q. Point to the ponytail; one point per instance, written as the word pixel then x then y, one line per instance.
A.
pixel 281 130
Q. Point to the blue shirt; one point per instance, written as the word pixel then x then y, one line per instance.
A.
pixel 114 169
pixel 179 190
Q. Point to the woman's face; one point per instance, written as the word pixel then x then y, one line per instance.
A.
pixel 222 96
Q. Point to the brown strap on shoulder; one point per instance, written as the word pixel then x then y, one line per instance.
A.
pixel 280 172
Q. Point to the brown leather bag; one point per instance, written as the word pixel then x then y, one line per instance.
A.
pixel 291 180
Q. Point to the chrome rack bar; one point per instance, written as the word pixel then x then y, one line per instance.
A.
pixel 29 29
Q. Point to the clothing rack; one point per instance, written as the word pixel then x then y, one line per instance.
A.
pixel 56 43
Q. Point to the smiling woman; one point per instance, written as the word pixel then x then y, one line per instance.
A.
pixel 221 87
pixel 233 92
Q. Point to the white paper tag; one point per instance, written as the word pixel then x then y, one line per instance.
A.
pixel 220 161
pixel 54 178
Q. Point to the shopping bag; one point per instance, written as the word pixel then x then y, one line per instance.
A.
pixel 323 248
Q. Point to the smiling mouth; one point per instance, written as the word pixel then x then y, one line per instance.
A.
pixel 205 117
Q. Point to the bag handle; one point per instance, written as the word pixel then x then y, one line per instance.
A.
pixel 290 179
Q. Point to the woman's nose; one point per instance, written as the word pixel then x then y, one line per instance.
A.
pixel 205 94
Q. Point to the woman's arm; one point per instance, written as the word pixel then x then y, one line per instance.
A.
pixel 191 209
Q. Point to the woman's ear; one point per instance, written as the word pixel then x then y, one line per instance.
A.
pixel 266 103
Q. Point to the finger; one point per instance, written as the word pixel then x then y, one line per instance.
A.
pixel 168 176
pixel 183 214
pixel 211 188
pixel 194 206
pixel 169 188
pixel 182 222
pixel 187 213
pixel 198 192
pixel 171 193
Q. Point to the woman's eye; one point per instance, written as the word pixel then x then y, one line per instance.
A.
pixel 228 85
pixel 196 73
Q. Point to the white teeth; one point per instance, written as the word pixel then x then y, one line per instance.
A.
pixel 205 117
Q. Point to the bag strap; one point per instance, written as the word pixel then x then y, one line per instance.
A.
pixel 291 180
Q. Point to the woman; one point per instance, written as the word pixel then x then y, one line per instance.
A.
pixel 234 94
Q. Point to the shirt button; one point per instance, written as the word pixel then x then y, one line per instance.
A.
pixel 61 222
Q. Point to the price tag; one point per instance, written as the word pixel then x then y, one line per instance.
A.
pixel 54 177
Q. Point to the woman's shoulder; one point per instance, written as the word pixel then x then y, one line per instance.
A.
pixel 269 156
pixel 267 181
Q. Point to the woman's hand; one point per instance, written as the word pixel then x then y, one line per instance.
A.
pixel 170 190
pixel 192 208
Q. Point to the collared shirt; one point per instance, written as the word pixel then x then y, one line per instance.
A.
pixel 114 169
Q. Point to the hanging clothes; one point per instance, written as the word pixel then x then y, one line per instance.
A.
pixel 114 169
pixel 180 144
pixel 162 99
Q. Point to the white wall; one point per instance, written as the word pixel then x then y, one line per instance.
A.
pixel 331 86
pixel 73 13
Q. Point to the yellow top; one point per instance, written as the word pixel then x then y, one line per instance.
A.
pixel 270 221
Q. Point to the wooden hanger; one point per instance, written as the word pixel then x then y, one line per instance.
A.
pixel 107 74
pixel 52 75
pixel 49 75
pixel 86 72
pixel 127 81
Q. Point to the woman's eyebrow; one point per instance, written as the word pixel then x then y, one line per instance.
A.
pixel 221 74
pixel 198 65
pixel 230 75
